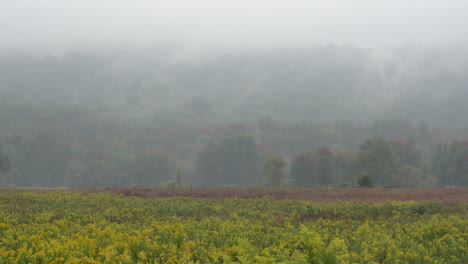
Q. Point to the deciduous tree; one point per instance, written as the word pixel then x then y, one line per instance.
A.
pixel 375 158
pixel 4 161
pixel 273 169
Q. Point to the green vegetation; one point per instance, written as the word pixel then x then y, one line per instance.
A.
pixel 4 161
pixel 148 119
pixel 365 180
pixel 232 161
pixel 42 148
pixel 57 227
pixel 274 171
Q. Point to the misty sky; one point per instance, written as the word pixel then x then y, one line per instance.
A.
pixel 51 25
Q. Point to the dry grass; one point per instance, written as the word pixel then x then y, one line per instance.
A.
pixel 448 196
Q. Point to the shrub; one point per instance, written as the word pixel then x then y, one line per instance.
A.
pixel 365 180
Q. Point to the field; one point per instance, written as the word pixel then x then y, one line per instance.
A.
pixel 234 225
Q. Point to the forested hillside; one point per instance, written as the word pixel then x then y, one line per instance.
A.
pixel 333 115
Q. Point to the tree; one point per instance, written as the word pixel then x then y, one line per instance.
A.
pixel 178 178
pixel 408 176
pixel 232 161
pixel 344 161
pixel 303 170
pixel 4 161
pixel 312 169
pixel 273 169
pixel 325 166
pixel 461 168
pixel 365 180
pixel 405 153
pixel 149 168
pixel 207 165
pixel 375 158
pixel 450 163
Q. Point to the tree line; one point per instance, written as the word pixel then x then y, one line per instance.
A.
pixel 237 161
pixel 70 146
pixel 378 162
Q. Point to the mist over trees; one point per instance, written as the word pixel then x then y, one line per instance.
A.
pixel 325 83
pixel 141 118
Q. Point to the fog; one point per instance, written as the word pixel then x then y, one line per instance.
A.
pixel 149 93
pixel 54 26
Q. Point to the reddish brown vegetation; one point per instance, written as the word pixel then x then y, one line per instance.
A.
pixel 448 196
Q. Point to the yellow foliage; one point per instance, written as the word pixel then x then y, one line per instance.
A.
pixel 61 227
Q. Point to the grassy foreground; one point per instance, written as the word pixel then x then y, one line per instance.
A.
pixel 104 227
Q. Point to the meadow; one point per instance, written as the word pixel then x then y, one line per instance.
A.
pixel 234 225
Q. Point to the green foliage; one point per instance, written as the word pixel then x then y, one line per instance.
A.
pixel 365 180
pixel 450 163
pixel 4 161
pixel 375 158
pixel 393 163
pixel 60 227
pixel 320 168
pixel 303 170
pixel 178 178
pixel 60 145
pixel 405 154
pixel 408 176
pixel 169 184
pixel 341 185
pixel 344 161
pixel 273 168
pixel 325 166
pixel 232 161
